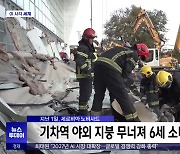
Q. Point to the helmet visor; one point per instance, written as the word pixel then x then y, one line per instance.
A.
pixel 167 84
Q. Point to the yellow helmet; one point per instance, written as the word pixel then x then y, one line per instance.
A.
pixel 164 79
pixel 147 71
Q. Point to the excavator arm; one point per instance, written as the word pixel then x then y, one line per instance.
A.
pixel 113 44
pixel 143 17
pixel 139 19
pixel 177 43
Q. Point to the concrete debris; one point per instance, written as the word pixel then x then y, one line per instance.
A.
pixel 43 58
pixel 57 90
pixel 20 39
pixel 63 108
pixel 9 86
pixel 10 113
pixel 33 110
pixel 36 87
pixel 15 37
pixel 31 70
pixel 71 68
pixel 16 54
pixel 50 58
pixel 32 63
pixel 53 64
pixel 46 42
pixel 34 37
pixel 7 77
pixel 27 64
pixel 23 75
pixel 27 99
pixel 4 56
pixel 143 113
pixel 3 120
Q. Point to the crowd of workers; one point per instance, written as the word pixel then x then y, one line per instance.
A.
pixel 112 70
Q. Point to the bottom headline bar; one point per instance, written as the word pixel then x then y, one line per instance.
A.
pixel 93 135
pixel 92 146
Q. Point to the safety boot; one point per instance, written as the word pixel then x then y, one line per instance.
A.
pixel 95 113
pixel 83 110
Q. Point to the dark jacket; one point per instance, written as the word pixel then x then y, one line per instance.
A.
pixel 84 59
pixel 149 91
pixel 131 85
pixel 123 60
pixel 171 96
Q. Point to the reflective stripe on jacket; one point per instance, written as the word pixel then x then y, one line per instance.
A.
pixel 85 60
pixel 123 60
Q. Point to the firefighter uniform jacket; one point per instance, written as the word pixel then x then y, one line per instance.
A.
pixel 85 59
pixel 149 91
pixel 122 60
pixel 171 96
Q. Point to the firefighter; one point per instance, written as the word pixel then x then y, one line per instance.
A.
pixel 110 70
pixel 85 59
pixel 169 85
pixel 149 90
pixel 64 57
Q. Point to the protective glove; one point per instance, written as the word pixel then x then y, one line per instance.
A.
pixel 171 110
pixel 170 116
pixel 144 101
pixel 137 93
pixel 166 117
pixel 168 108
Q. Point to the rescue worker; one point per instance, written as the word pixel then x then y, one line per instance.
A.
pixel 149 90
pixel 85 59
pixel 169 85
pixel 64 57
pixel 110 70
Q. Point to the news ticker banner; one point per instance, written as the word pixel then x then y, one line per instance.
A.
pixel 90 133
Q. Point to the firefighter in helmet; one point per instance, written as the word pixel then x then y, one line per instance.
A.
pixel 149 90
pixel 169 85
pixel 110 69
pixel 85 59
